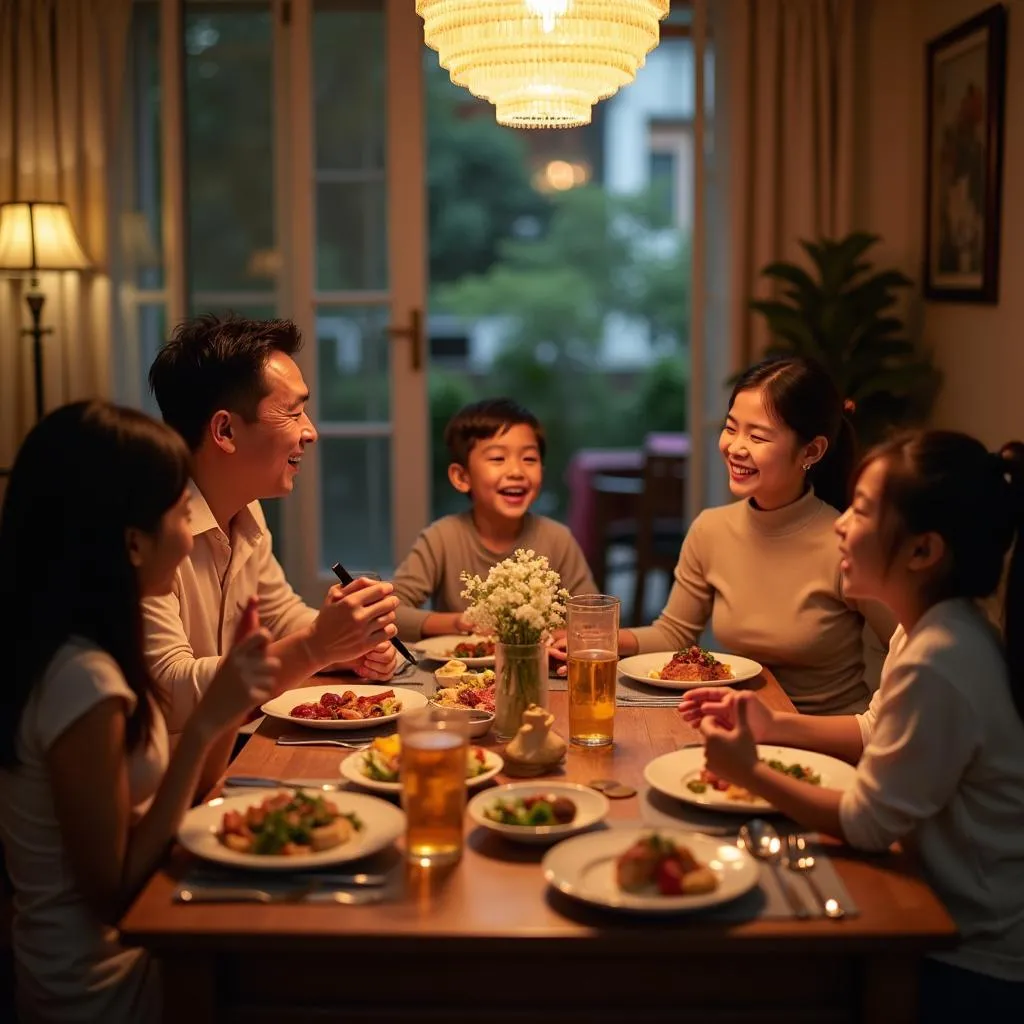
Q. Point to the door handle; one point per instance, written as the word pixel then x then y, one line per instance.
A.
pixel 413 333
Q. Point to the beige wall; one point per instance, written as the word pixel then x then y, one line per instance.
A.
pixel 979 348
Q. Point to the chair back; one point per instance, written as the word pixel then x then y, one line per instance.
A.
pixel 663 496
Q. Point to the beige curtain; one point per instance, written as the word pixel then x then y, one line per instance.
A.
pixel 61 68
pixel 784 121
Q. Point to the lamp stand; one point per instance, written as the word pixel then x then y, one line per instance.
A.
pixel 35 300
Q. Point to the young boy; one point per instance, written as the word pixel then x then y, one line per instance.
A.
pixel 497 452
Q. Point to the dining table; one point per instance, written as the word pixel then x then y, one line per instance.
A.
pixel 487 940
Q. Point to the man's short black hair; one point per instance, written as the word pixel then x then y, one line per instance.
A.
pixel 481 420
pixel 213 363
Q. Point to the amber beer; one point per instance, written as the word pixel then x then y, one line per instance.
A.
pixel 592 644
pixel 592 698
pixel 434 752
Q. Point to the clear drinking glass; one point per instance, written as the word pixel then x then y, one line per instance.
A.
pixel 435 746
pixel 592 646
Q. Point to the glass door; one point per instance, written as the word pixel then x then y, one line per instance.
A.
pixel 352 213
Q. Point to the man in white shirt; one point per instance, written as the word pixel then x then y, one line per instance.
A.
pixel 231 388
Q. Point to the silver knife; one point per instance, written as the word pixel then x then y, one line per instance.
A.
pixel 259 782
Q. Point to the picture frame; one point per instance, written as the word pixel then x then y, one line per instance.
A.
pixel 965 99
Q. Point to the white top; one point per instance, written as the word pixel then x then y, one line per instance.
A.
pixel 943 769
pixel 192 628
pixel 70 965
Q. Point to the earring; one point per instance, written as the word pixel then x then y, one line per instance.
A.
pixel 806 466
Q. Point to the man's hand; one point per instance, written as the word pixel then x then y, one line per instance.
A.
pixel 380 664
pixel 353 620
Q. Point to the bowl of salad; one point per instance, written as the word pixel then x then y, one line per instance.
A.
pixel 538 812
pixel 379 766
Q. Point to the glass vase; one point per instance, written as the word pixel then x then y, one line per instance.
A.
pixel 521 679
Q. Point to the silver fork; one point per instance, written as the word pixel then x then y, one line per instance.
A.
pixel 291 741
pixel 801 860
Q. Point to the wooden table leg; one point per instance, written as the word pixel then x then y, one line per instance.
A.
pixel 190 989
pixel 889 992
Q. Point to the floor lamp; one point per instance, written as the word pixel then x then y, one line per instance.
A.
pixel 37 236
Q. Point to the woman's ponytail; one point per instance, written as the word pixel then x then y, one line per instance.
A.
pixel 832 475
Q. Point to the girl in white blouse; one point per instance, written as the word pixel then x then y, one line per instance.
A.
pixel 940 751
pixel 96 518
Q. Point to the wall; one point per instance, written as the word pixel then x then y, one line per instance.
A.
pixel 980 349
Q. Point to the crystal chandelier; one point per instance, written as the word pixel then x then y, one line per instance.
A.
pixel 542 63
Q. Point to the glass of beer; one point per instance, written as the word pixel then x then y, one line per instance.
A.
pixel 435 746
pixel 592 646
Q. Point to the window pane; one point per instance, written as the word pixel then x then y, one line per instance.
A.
pixel 348 61
pixel 228 76
pixel 351 225
pixel 348 83
pixel 353 364
pixel 355 480
pixel 663 175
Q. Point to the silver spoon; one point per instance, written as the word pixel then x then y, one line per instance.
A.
pixel 799 858
pixel 761 840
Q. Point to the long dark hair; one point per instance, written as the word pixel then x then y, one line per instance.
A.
pixel 800 394
pixel 944 482
pixel 85 474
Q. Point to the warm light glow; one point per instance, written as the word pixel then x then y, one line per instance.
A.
pixel 542 63
pixel 560 176
pixel 39 236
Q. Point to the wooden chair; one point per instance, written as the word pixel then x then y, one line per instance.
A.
pixel 659 521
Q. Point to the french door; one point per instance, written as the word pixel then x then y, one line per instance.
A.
pixel 274 167
pixel 351 211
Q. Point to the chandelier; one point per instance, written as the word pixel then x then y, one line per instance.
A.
pixel 542 63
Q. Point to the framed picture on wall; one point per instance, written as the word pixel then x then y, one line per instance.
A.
pixel 966 70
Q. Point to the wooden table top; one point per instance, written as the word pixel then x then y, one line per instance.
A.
pixel 496 894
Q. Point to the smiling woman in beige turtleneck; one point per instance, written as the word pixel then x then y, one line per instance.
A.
pixel 764 571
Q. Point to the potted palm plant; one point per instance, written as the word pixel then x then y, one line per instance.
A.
pixel 843 317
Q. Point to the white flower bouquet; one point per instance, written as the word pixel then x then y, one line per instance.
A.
pixel 520 604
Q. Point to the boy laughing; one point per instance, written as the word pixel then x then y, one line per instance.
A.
pixel 497 452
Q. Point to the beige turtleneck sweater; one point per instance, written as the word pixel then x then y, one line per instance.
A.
pixel 769 584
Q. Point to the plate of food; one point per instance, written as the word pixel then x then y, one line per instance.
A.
pixel 538 812
pixel 290 829
pixel 466 690
pixel 650 871
pixel 343 707
pixel 473 651
pixel 378 767
pixel 684 776
pixel 686 669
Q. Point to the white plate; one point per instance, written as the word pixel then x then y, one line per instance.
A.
pixel 584 868
pixel 591 807
pixel 281 706
pixel 640 666
pixel 352 769
pixel 670 773
pixel 439 648
pixel 382 825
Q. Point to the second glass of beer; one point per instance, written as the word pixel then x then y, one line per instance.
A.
pixel 435 744
pixel 592 646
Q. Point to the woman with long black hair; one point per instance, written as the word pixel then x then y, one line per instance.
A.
pixel 95 519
